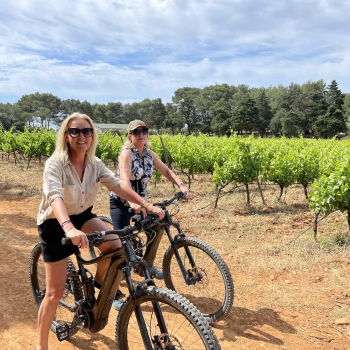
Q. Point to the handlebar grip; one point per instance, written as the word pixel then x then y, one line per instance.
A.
pixel 179 195
pixel 131 211
pixel 66 241
pixel 151 217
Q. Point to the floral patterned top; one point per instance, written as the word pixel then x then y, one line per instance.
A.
pixel 141 172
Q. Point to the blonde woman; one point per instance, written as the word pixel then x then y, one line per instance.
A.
pixel 71 181
pixel 135 168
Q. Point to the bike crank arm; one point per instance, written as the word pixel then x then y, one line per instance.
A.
pixel 71 308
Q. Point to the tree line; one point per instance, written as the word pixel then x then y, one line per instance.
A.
pixel 313 109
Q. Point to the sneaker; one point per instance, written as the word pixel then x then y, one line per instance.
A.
pixel 155 273
pixel 117 304
pixel 118 300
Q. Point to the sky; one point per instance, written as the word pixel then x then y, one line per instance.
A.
pixel 128 50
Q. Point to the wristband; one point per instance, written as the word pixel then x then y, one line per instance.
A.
pixel 68 230
pixel 65 222
pixel 180 183
pixel 142 203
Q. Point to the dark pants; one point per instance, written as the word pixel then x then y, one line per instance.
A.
pixel 121 217
pixel 119 214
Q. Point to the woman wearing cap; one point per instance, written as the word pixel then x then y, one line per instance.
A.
pixel 71 181
pixel 135 168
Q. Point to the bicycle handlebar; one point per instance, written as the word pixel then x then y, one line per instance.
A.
pixel 151 217
pixel 179 195
pixel 121 232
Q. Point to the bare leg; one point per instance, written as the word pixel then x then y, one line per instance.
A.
pixel 56 274
pixel 97 225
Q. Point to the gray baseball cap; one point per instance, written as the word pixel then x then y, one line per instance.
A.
pixel 135 124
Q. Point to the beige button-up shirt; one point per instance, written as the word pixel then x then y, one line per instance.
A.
pixel 63 181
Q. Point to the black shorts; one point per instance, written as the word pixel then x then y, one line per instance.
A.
pixel 51 233
pixel 119 213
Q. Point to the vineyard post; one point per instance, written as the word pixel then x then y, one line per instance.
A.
pixel 165 155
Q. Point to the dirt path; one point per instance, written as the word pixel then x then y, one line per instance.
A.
pixel 244 328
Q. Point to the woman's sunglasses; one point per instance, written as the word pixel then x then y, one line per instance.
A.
pixel 139 131
pixel 75 132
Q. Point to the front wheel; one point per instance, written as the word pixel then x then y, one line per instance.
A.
pixel 162 319
pixel 73 292
pixel 207 282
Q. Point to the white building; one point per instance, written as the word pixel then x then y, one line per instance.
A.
pixel 116 128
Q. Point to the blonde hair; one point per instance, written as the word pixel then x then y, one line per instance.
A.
pixel 62 148
pixel 129 144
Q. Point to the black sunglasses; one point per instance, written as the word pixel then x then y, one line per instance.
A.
pixel 75 132
pixel 139 131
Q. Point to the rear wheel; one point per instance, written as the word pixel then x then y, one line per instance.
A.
pixel 185 326
pixel 65 316
pixel 208 284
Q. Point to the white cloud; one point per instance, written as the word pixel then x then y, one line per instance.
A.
pixel 105 50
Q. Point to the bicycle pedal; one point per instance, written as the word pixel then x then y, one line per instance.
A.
pixel 63 330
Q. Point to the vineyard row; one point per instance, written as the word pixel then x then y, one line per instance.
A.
pixel 324 164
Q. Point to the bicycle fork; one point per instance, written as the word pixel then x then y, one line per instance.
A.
pixel 173 242
pixel 136 293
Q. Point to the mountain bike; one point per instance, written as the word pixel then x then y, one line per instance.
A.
pixel 191 267
pixel 153 317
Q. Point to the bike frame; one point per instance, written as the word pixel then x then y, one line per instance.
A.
pixel 152 248
pixel 98 309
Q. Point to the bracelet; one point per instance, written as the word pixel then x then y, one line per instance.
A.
pixel 65 222
pixel 142 203
pixel 180 183
pixel 68 230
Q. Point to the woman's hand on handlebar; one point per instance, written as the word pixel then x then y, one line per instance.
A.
pixel 151 209
pixel 78 237
pixel 186 192
pixel 137 209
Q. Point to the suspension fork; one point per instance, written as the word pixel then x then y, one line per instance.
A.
pixel 138 313
pixel 142 324
pixel 187 249
pixel 136 293
pixel 173 243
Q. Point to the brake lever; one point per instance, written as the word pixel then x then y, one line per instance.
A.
pixel 136 218
pixel 96 241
